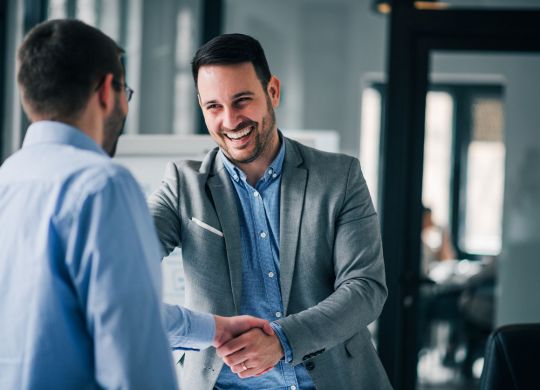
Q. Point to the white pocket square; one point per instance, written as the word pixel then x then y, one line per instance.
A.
pixel 207 227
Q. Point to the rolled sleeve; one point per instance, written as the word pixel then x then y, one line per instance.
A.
pixel 284 342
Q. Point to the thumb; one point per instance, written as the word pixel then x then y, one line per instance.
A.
pixel 267 328
pixel 263 324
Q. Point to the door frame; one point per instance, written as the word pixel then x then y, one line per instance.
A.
pixel 414 35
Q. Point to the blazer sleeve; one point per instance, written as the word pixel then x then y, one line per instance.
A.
pixel 359 288
pixel 164 208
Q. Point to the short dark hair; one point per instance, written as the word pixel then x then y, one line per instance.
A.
pixel 230 49
pixel 61 62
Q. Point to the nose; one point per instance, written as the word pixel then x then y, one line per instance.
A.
pixel 231 119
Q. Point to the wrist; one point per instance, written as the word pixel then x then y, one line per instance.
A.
pixel 218 334
pixel 283 341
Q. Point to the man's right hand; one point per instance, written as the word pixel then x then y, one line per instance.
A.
pixel 228 328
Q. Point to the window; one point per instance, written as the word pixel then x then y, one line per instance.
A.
pixel 484 156
pixel 464 154
pixel 159 37
pixel 370 139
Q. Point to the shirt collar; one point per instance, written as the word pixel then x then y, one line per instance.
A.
pixel 50 132
pixel 272 172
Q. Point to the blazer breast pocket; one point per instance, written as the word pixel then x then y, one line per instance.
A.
pixel 202 233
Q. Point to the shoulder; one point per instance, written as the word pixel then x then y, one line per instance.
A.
pixel 190 169
pixel 98 178
pixel 184 166
pixel 102 174
pixel 320 161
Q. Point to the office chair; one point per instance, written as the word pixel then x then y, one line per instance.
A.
pixel 512 358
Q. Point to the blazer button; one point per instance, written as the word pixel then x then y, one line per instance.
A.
pixel 309 366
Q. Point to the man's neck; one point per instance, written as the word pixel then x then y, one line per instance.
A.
pixel 254 171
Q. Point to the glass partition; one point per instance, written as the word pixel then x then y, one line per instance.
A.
pixel 476 264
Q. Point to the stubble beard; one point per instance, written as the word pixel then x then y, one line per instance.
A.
pixel 113 128
pixel 262 143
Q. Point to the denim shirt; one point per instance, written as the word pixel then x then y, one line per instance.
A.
pixel 258 209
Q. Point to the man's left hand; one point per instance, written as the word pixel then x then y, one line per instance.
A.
pixel 251 353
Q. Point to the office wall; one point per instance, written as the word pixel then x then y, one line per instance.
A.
pixel 518 295
pixel 322 50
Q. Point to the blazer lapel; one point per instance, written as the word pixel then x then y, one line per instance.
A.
pixel 225 202
pixel 293 189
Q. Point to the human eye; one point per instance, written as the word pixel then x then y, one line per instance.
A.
pixel 212 107
pixel 242 101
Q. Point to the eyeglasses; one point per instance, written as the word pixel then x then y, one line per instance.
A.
pixel 129 92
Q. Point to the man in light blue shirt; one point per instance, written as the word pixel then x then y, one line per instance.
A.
pixel 80 282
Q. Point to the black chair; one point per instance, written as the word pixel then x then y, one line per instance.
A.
pixel 512 358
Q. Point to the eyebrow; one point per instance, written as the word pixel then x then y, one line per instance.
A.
pixel 235 96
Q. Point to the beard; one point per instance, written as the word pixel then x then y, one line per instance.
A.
pixel 114 127
pixel 262 138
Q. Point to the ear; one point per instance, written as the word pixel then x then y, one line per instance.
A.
pixel 106 93
pixel 273 90
pixel 199 100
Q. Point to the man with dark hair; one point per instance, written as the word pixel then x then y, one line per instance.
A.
pixel 272 228
pixel 80 279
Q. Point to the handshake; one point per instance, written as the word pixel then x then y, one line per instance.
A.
pixel 248 345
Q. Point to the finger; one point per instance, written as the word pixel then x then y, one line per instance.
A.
pixel 264 371
pixel 236 358
pixel 233 345
pixel 237 368
pixel 268 329
pixel 248 373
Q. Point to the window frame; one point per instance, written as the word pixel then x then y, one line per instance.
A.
pixel 463 94
pixel 462 137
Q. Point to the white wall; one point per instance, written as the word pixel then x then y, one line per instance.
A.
pixel 321 50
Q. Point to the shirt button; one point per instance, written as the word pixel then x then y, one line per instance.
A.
pixel 278 314
pixel 293 387
pixel 255 194
pixel 270 171
pixel 235 177
pixel 271 274
pixel 263 235
pixel 274 175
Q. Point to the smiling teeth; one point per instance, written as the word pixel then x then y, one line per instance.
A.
pixel 239 134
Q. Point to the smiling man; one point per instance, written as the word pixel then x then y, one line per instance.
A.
pixel 272 228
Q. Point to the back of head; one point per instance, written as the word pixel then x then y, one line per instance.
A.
pixel 60 63
pixel 232 49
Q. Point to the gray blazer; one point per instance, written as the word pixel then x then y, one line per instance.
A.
pixel 332 269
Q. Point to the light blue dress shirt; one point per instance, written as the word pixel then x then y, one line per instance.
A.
pixel 80 280
pixel 258 209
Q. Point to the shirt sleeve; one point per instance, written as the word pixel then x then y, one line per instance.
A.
pixel 112 257
pixel 288 357
pixel 187 329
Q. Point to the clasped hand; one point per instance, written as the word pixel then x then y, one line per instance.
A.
pixel 253 353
